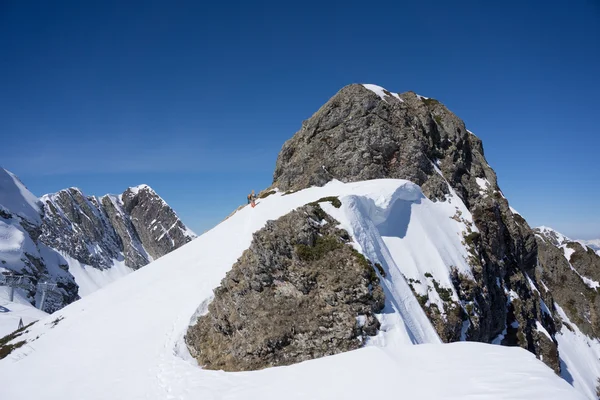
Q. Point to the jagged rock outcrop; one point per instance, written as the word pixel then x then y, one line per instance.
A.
pixel 158 227
pixel 133 228
pixel 571 272
pixel 138 226
pixel 366 132
pixel 299 292
pixel 76 225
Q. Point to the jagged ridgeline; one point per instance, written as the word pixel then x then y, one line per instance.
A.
pixel 66 236
pixel 299 292
pixel 366 132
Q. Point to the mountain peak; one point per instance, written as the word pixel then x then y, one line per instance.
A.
pixel 555 237
pixel 136 189
pixel 17 199
pixel 370 133
pixel 381 91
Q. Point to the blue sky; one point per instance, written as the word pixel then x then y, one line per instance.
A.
pixel 196 98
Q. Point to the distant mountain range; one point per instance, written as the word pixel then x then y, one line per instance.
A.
pixel 81 242
pixel 384 228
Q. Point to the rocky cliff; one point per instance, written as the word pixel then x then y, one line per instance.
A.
pixel 366 132
pixel 46 238
pixel 138 226
pixel 299 292
pixel 570 271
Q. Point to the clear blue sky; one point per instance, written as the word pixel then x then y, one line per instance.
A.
pixel 196 98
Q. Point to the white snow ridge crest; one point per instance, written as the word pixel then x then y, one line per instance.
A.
pixel 125 341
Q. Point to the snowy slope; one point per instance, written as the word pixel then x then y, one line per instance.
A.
pixel 19 308
pixel 579 357
pixel 90 279
pixel 70 238
pixel 125 341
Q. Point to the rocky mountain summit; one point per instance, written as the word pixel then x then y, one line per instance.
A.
pixel 366 132
pixel 299 292
pixel 58 236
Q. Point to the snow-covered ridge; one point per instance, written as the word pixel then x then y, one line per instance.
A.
pixel 17 199
pixel 83 242
pixel 554 234
pixel 381 92
pixel 136 189
pixel 594 244
pixel 130 346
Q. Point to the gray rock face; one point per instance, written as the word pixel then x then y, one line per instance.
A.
pixel 569 269
pixel 357 135
pixel 299 292
pixel 23 253
pixel 77 226
pixel 134 228
pixel 158 227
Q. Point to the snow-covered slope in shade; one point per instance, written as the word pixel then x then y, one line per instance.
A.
pixel 126 340
pixel 579 356
pixel 90 279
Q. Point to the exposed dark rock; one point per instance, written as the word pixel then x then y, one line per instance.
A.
pixel 357 136
pixel 158 227
pixel 74 224
pixel 135 228
pixel 565 279
pixel 299 292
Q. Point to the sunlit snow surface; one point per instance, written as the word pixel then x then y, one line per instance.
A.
pixel 12 312
pixel 15 198
pixel 381 92
pixel 125 340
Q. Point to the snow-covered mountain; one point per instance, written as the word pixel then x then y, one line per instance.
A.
pixel 594 244
pixel 118 345
pixel 384 229
pixel 80 242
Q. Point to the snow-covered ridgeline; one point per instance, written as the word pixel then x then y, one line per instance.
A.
pixel 125 341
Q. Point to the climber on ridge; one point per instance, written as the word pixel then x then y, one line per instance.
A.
pixel 252 199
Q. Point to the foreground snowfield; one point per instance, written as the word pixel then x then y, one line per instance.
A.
pixel 125 340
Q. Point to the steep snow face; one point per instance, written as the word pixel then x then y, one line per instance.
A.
pixel 579 355
pixel 126 340
pixel 90 279
pixel 381 92
pixel 16 199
